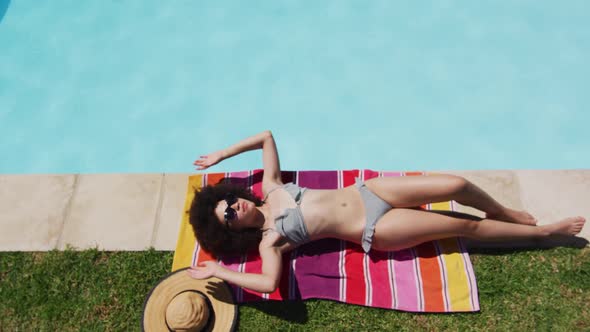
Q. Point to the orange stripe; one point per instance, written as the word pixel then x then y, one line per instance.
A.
pixel 413 173
pixel 214 178
pixel 204 256
pixel 423 207
pixel 430 273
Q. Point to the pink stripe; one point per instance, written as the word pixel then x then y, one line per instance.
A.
pixel 233 264
pixel 379 272
pixel 241 174
pixel 385 174
pixel 405 280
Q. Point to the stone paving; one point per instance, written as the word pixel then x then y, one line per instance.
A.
pixel 138 211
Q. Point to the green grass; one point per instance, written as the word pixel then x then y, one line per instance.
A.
pixel 97 291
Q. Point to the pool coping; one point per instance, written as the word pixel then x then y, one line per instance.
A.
pixel 133 212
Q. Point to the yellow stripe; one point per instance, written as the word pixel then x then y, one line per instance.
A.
pixel 457 279
pixel 458 284
pixel 441 206
pixel 186 237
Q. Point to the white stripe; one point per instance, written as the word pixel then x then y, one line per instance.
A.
pixel 241 270
pixel 195 253
pixel 292 275
pixel 471 276
pixel 368 284
pixel 342 272
pixel 392 285
pixel 444 277
pixel 197 247
pixel 418 281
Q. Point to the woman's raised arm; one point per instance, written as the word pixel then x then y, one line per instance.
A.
pixel 270 156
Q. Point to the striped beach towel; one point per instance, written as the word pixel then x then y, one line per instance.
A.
pixel 435 276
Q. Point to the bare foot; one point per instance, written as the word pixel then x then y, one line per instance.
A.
pixel 567 226
pixel 514 216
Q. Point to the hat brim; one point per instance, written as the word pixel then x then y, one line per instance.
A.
pixel 217 291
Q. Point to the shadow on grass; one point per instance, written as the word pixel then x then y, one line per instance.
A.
pixel 291 311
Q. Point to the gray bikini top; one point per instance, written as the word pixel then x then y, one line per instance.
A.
pixel 290 223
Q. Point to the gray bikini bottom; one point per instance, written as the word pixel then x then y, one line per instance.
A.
pixel 375 208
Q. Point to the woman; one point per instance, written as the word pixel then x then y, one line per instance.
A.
pixel 376 214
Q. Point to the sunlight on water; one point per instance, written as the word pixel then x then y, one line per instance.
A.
pixel 147 86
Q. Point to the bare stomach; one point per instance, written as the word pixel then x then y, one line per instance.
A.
pixel 334 213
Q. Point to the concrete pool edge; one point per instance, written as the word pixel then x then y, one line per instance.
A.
pixel 137 211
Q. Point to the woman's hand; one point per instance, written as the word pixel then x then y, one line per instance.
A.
pixel 209 160
pixel 204 270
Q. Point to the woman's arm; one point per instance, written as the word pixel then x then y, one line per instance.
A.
pixel 270 156
pixel 265 282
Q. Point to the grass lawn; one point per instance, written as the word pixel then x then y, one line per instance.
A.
pixel 94 290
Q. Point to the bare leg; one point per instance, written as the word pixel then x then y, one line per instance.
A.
pixel 403 228
pixel 472 195
pixel 411 191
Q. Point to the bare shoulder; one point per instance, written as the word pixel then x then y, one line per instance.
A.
pixel 270 238
pixel 269 185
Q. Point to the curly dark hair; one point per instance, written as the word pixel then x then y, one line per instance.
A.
pixel 212 235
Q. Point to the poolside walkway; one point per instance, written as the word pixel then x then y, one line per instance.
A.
pixel 138 211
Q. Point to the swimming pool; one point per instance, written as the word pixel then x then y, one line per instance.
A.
pixel 146 86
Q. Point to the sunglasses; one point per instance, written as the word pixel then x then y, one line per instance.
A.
pixel 230 214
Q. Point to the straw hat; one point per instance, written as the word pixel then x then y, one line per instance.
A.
pixel 181 303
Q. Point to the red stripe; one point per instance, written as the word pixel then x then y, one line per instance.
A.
pixel 431 277
pixel 257 183
pixel 369 174
pixel 355 274
pixel 282 293
pixel 353 257
pixel 348 177
pixel 253 265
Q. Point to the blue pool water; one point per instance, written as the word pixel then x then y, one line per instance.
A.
pixel 147 86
